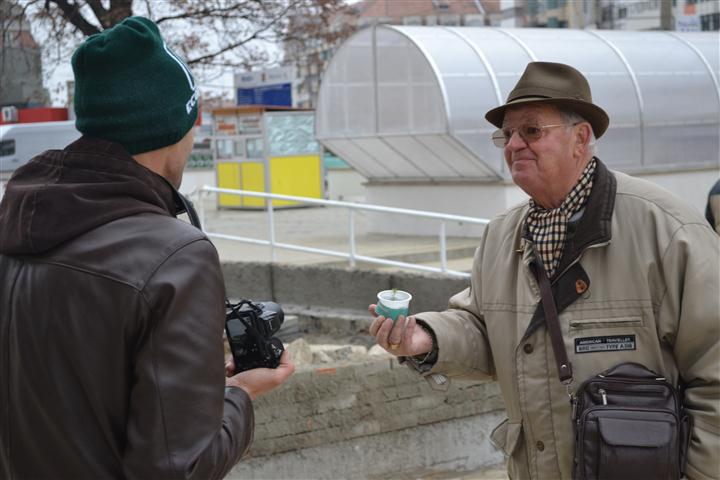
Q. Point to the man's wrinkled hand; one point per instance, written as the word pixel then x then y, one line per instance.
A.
pixel 402 338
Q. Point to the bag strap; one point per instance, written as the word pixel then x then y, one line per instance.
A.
pixel 564 367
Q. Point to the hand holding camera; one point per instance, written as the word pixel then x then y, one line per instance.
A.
pixel 258 363
pixel 259 381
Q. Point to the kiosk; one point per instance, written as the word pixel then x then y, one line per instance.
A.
pixel 266 149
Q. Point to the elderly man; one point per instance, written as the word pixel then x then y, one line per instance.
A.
pixel 626 260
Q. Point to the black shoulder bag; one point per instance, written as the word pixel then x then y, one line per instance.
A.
pixel 629 421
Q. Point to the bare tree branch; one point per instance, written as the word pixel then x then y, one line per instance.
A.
pixel 119 11
pixel 212 34
pixel 72 13
pixel 148 6
pixel 201 13
pixel 243 41
pixel 100 12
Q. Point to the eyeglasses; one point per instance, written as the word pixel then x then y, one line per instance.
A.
pixel 529 133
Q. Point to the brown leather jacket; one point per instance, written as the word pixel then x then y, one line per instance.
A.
pixel 111 321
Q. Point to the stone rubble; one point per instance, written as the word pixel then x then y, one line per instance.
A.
pixel 306 353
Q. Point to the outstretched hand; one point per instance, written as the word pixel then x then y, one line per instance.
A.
pixel 402 337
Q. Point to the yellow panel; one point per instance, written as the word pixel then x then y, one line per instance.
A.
pixel 298 175
pixel 229 177
pixel 253 178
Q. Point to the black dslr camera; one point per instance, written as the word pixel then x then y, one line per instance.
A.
pixel 250 328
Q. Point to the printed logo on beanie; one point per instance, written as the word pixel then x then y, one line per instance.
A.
pixel 190 104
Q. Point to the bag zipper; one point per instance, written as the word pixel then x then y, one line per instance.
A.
pixel 634 409
pixel 640 380
pixel 661 381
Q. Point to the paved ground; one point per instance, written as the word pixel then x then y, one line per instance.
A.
pixel 325 228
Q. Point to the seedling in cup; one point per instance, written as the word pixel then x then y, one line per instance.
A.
pixel 393 303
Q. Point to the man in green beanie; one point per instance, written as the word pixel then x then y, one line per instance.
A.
pixel 111 309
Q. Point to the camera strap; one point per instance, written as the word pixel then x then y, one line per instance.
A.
pixel 186 206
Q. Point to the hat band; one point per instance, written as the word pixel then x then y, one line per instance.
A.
pixel 543 92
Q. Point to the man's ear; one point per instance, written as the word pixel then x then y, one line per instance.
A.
pixel 583 134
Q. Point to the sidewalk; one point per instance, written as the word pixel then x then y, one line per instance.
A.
pixel 326 228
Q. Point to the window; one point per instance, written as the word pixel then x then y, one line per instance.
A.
pixel 7 147
pixel 449 20
pixel 224 148
pixel 622 12
pixel 710 22
pixel 239 148
pixel 474 20
pixel 254 148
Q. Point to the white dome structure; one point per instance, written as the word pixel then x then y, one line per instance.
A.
pixel 406 105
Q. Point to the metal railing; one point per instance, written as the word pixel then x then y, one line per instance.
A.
pixel 352 256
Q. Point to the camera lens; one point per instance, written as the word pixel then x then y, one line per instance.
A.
pixel 272 317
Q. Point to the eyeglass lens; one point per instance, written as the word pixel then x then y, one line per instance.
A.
pixel 529 133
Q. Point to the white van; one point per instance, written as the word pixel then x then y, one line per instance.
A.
pixel 19 142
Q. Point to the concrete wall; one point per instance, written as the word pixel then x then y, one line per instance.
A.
pixel 336 288
pixel 340 402
pixel 372 418
pixel 345 184
pixel 481 200
pixel 431 451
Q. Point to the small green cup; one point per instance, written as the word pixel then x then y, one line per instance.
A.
pixel 393 303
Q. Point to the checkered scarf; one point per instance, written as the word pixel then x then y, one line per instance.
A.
pixel 548 228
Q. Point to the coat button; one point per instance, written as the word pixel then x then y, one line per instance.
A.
pixel 528 348
pixel 540 446
pixel 580 286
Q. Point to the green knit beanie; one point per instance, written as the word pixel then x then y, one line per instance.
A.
pixel 130 88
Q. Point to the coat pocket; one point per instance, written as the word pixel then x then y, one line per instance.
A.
pixel 613 322
pixel 506 436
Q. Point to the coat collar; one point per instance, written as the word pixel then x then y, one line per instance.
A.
pixel 595 225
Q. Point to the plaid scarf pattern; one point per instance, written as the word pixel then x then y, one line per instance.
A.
pixel 548 228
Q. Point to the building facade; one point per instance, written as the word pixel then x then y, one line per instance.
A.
pixel 20 61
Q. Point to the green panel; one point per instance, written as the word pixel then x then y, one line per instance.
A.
pixel 291 134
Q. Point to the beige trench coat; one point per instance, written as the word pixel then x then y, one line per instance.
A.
pixel 653 269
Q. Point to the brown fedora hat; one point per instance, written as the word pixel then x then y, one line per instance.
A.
pixel 554 84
